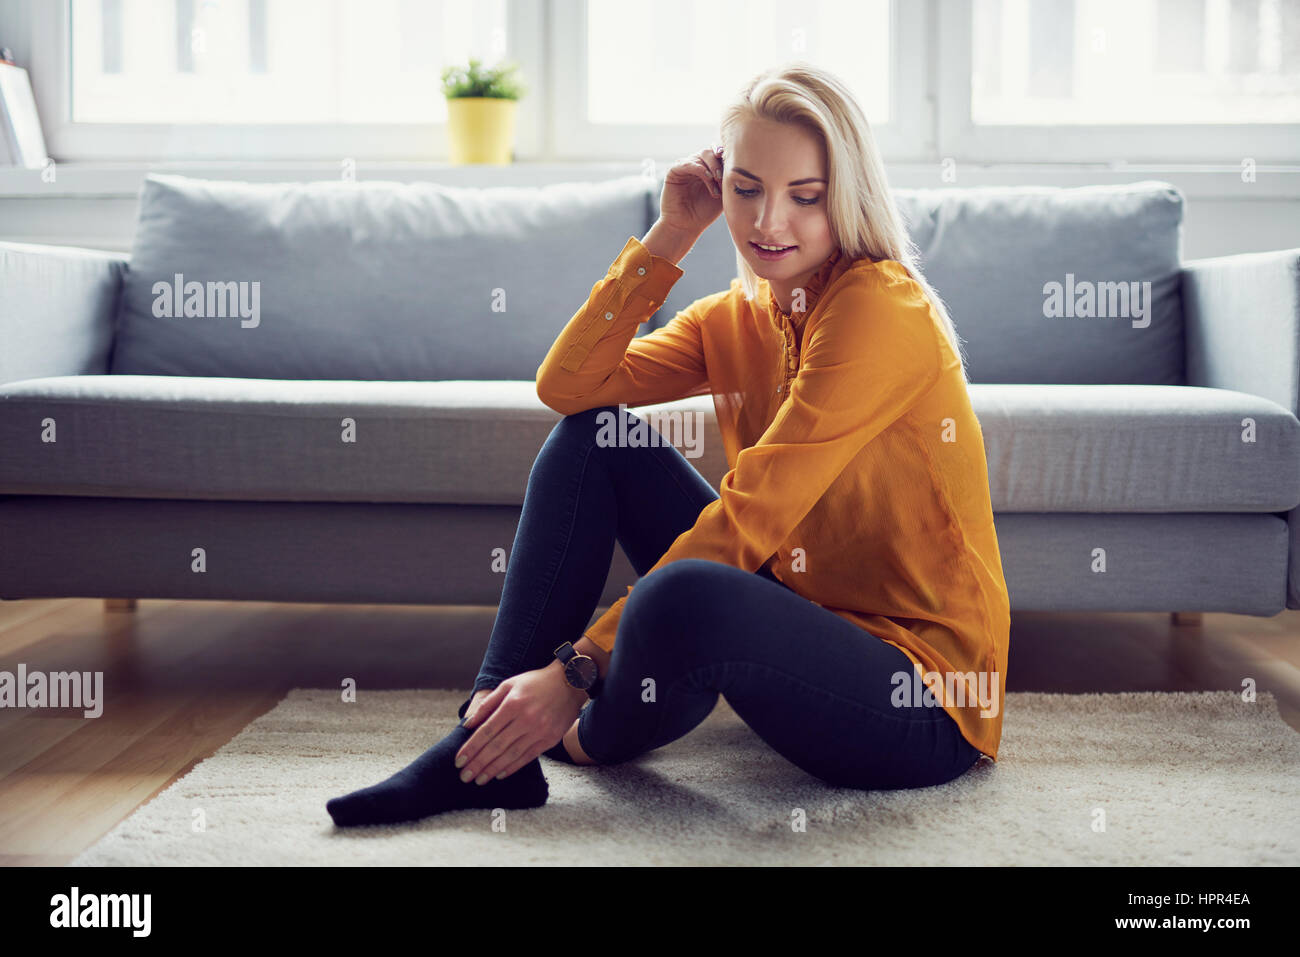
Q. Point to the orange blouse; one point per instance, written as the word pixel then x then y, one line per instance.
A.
pixel 857 466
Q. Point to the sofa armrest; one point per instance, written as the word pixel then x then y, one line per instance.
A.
pixel 1242 316
pixel 57 310
pixel 1242 319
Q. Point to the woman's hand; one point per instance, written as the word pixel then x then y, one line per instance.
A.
pixel 517 721
pixel 692 196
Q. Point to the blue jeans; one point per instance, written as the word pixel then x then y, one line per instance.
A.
pixel 813 686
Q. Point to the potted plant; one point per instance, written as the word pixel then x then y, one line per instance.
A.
pixel 481 106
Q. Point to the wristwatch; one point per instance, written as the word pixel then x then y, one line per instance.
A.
pixel 580 670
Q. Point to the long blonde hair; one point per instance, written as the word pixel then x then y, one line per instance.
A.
pixel 859 203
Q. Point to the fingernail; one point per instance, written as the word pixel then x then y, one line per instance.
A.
pixel 465 775
pixel 482 779
pixel 460 761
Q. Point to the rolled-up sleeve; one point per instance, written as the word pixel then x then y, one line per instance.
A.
pixel 598 360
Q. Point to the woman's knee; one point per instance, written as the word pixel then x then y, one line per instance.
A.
pixel 575 435
pixel 681 599
pixel 567 445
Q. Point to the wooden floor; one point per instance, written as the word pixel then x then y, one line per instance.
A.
pixel 183 678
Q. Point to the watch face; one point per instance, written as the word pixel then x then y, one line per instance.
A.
pixel 581 671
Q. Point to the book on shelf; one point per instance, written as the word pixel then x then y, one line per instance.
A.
pixel 22 142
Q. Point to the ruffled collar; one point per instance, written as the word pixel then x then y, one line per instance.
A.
pixel 826 273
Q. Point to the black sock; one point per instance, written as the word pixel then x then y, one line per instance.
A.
pixel 559 753
pixel 431 784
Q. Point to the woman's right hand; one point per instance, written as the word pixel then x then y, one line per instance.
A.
pixel 692 195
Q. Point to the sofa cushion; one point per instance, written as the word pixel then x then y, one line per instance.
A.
pixel 466 442
pixel 989 252
pixel 1136 448
pixel 1049 448
pixel 363 280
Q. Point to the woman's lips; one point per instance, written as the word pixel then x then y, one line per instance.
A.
pixel 770 255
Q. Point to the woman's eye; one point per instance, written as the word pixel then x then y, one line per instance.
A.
pixel 752 192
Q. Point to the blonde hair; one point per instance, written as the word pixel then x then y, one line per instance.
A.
pixel 859 204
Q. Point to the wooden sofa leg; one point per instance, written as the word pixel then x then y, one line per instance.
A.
pixel 119 604
pixel 1185 618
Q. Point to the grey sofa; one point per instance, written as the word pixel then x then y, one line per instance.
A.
pixel 358 424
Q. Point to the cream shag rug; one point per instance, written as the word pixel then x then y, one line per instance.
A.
pixel 1113 779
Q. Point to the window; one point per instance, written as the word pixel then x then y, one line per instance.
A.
pixel 273 61
pixel 1076 62
pixel 1131 83
pixel 692 56
pixel 663 93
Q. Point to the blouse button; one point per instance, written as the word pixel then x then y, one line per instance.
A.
pixel 778 388
pixel 609 315
pixel 641 271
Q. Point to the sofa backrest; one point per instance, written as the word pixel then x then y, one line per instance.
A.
pixel 363 280
pixel 383 280
pixel 991 252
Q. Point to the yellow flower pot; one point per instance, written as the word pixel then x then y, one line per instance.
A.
pixel 481 129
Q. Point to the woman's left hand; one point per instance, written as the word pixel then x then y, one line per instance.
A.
pixel 522 717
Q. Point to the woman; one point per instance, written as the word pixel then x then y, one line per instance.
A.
pixel 844 591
